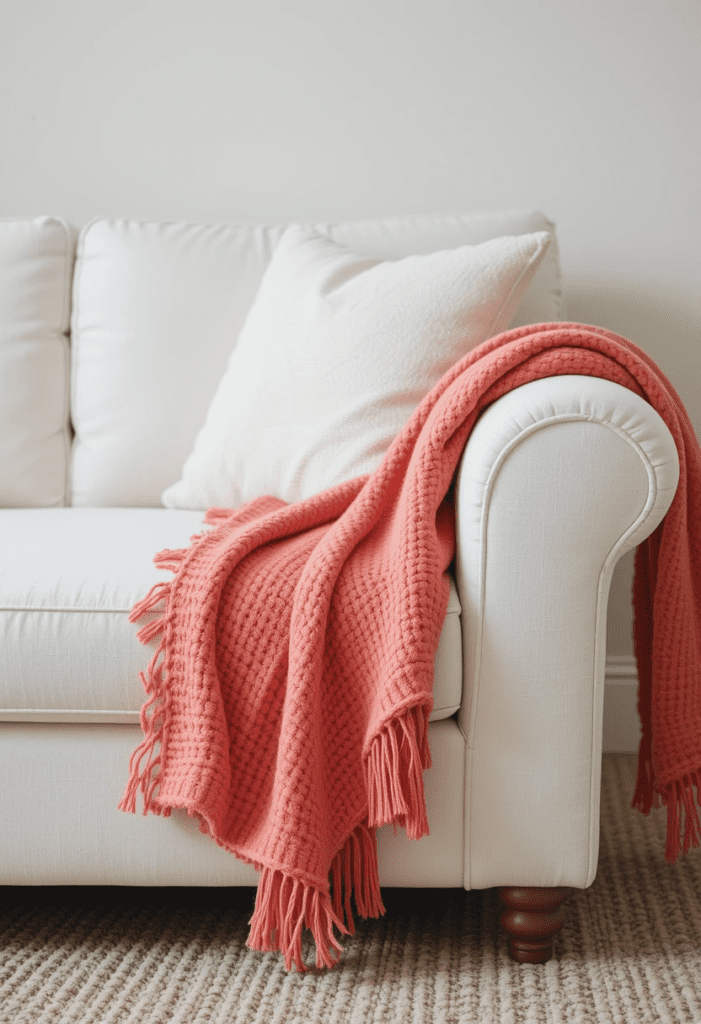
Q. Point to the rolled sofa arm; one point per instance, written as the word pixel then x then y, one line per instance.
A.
pixel 559 478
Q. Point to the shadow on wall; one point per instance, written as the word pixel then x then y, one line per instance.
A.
pixel 664 319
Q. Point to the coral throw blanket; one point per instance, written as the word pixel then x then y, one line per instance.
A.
pixel 291 688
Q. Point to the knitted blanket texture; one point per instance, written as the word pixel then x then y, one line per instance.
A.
pixel 289 695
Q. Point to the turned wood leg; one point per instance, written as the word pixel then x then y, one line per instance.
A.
pixel 532 916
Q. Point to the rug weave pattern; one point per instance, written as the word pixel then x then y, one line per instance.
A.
pixel 630 951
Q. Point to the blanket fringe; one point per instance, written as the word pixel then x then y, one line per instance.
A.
pixel 683 820
pixel 285 905
pixel 153 721
pixel 153 713
pixel 394 773
pixel 354 871
pixel 683 823
pixel 644 797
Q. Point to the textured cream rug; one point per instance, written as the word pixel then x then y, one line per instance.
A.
pixel 630 951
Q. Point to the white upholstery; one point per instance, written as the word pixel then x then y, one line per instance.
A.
pixel 61 826
pixel 559 478
pixel 69 579
pixel 158 309
pixel 36 263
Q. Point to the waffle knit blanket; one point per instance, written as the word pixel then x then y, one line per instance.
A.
pixel 290 692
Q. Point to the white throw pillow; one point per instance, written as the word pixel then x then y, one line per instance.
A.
pixel 336 353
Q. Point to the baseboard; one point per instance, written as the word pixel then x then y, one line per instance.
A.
pixel 621 722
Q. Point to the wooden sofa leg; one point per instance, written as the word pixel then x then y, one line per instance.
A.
pixel 532 917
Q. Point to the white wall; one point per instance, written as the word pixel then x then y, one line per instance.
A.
pixel 332 109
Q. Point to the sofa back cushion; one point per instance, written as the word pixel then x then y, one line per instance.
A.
pixel 158 309
pixel 36 263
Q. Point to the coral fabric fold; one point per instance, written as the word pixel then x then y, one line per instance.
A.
pixel 289 695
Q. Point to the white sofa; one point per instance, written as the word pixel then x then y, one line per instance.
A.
pixel 108 363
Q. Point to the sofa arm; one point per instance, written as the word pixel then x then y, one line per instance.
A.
pixel 559 478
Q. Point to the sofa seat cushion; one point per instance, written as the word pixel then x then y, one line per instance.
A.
pixel 68 580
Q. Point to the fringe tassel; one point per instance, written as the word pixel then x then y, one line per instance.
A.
pixel 354 871
pixel 170 558
pixel 153 715
pixel 394 773
pixel 286 905
pixel 155 594
pixel 682 806
pixel 147 633
pixel 153 723
pixel 643 798
pixel 683 821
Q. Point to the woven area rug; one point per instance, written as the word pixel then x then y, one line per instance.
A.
pixel 630 951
